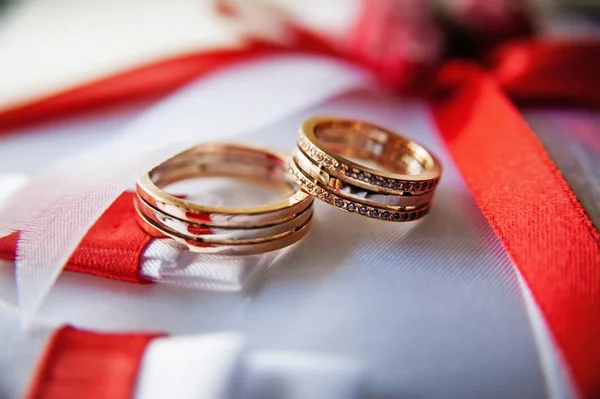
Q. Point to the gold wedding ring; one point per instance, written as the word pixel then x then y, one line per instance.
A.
pixel 224 230
pixel 399 189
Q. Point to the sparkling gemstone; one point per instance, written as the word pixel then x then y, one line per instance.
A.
pixel 413 216
pixel 395 184
pixel 404 216
pixel 329 197
pixel 396 216
pixel 351 207
pixel 339 203
pixel 361 176
pixel 405 186
pixel 338 166
pixel 385 215
pixel 362 210
pixel 374 213
pixel 385 183
pixel 417 186
pixel 373 180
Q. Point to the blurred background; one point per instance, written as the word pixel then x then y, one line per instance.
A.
pixel 49 46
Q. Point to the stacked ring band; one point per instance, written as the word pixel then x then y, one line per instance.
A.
pixel 399 189
pixel 224 230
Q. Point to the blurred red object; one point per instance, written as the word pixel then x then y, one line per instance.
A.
pixel 397 39
pixel 548 72
pixel 475 27
pixel 402 41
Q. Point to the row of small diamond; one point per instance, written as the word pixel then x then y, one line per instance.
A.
pixel 341 203
pixel 332 164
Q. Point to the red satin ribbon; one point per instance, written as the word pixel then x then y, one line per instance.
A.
pixel 111 248
pixel 149 81
pixel 525 198
pixel 549 72
pixel 531 208
pixel 146 82
pixel 85 364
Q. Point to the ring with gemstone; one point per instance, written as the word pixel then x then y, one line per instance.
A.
pixel 224 230
pixel 399 187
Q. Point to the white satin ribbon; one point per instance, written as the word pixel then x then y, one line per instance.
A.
pixel 20 350
pixel 189 367
pixel 220 366
pixel 298 375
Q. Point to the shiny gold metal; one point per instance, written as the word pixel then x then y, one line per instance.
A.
pixel 195 244
pixel 227 230
pixel 399 188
